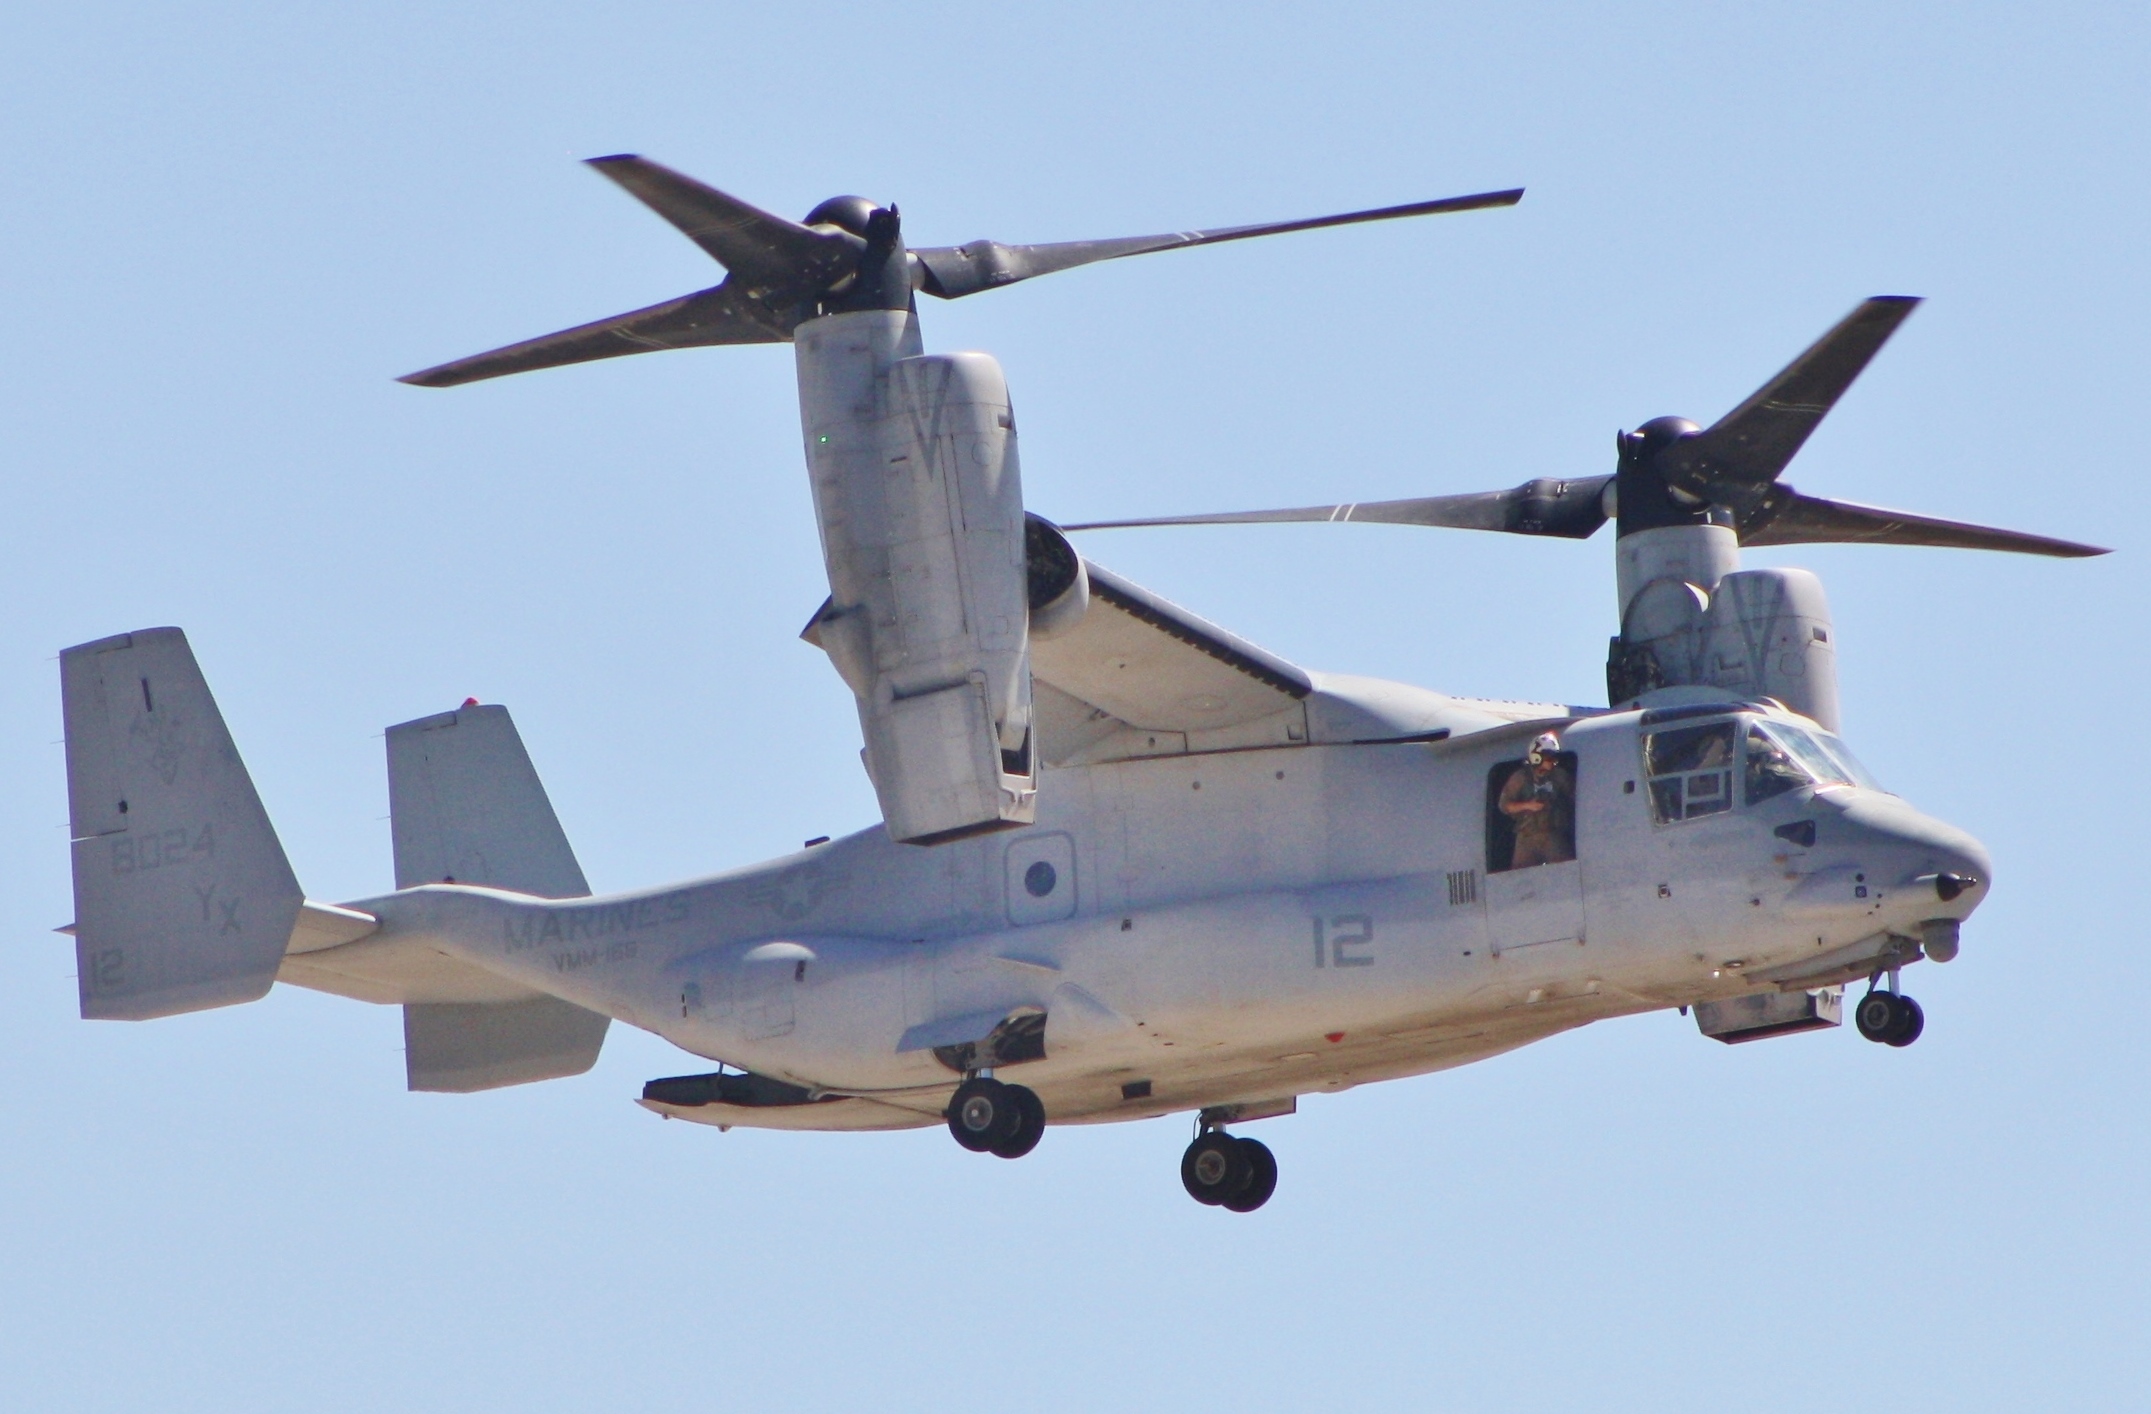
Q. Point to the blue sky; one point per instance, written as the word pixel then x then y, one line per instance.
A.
pixel 229 226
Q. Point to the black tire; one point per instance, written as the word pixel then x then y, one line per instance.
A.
pixel 1876 1016
pixel 1215 1169
pixel 1262 1178
pixel 1030 1123
pixel 1910 1022
pixel 981 1114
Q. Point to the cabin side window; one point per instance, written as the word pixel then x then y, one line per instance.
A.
pixel 1531 813
pixel 1690 770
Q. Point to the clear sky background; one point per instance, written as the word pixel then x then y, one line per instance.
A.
pixel 226 227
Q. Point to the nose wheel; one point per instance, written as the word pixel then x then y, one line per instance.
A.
pixel 1222 1170
pixel 1890 1018
pixel 990 1116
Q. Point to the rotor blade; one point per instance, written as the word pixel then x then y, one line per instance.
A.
pixel 954 271
pixel 1796 519
pixel 750 242
pixel 1733 461
pixel 1572 510
pixel 713 316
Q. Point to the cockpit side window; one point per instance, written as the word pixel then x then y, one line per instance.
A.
pixel 1772 770
pixel 1690 771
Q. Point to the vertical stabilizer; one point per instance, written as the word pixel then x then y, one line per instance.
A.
pixel 466 807
pixel 183 897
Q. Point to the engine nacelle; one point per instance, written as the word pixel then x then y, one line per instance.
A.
pixel 1691 617
pixel 920 500
pixel 1767 634
pixel 1059 580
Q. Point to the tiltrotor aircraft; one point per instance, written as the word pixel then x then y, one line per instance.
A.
pixel 1129 863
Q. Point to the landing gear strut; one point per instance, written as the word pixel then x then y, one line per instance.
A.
pixel 1224 1171
pixel 1889 1017
pixel 990 1116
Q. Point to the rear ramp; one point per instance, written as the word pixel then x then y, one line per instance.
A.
pixel 466 807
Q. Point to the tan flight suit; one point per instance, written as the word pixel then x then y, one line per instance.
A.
pixel 1545 836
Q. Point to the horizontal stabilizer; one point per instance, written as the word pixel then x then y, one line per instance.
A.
pixel 326 925
pixel 184 899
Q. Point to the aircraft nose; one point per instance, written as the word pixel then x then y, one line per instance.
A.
pixel 1956 867
pixel 1963 874
pixel 1940 869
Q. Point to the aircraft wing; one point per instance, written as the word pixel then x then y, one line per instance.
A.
pixel 1140 676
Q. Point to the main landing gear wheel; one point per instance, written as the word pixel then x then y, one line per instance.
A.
pixel 1030 1124
pixel 982 1114
pixel 1889 1018
pixel 1261 1182
pixel 1222 1171
pixel 988 1116
pixel 1911 1021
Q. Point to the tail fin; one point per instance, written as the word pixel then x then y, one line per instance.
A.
pixel 466 807
pixel 183 897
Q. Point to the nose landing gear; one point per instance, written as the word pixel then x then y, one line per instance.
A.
pixel 1889 1017
pixel 1223 1171
pixel 990 1116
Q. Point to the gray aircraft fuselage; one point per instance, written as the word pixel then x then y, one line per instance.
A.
pixel 1230 928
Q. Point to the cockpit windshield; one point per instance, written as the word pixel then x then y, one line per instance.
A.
pixel 1782 756
pixel 1692 768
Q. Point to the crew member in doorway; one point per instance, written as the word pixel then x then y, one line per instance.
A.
pixel 1540 801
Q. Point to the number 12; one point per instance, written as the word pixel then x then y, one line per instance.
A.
pixel 1352 930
